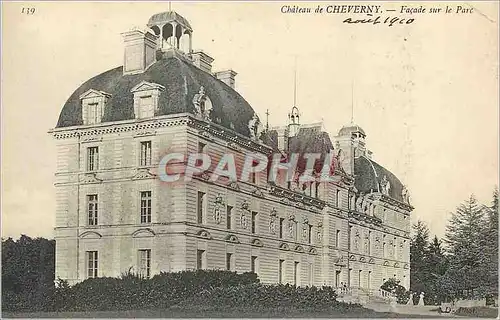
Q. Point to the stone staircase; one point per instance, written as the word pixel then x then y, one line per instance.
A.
pixel 363 296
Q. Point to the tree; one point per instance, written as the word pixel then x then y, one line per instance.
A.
pixel 465 240
pixel 27 264
pixel 418 247
pixel 436 266
pixel 491 244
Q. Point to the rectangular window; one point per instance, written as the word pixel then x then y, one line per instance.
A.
pixel 201 206
pixel 200 259
pixel 282 225
pixel 146 107
pixel 369 242
pixel 145 263
pixel 93 114
pixel 92 158
pixel 229 212
pixel 296 273
pixel 337 198
pixel 253 178
pixel 92 264
pixel 145 153
pixel 350 237
pixel 359 278
pixel 337 278
pixel 92 209
pixel 254 222
pixel 309 233
pixel 201 147
pixel 311 274
pixel 281 271
pixel 369 280
pixel 145 206
pixel 337 238
pixel 229 263
pixel 394 251
pixel 253 264
pixel 349 278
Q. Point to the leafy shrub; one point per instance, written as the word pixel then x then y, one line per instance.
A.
pixel 186 290
pixel 258 296
pixel 392 285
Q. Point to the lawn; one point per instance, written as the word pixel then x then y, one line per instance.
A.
pixel 211 313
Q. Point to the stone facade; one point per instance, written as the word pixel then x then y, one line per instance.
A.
pixel 114 215
pixel 345 246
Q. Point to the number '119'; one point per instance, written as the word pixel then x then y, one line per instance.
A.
pixel 28 10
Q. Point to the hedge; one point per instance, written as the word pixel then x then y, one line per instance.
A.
pixel 186 290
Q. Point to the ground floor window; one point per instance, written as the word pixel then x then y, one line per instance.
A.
pixel 145 263
pixel 92 264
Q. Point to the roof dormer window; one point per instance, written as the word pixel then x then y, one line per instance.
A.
pixel 146 96
pixel 93 105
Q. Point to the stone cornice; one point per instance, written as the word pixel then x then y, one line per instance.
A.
pixel 295 196
pixel 206 129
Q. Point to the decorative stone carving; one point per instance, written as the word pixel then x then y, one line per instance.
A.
pixel 91 138
pixel 299 248
pixel 257 243
pixel 234 185
pixel 234 146
pixel 90 178
pixel 204 234
pixel 291 226
pixel 356 241
pixel 273 212
pixel 232 238
pixel 405 195
pixel 255 127
pixel 272 221
pixel 367 244
pixel 359 202
pixel 284 246
pixel 257 192
pixel 143 173
pixel 219 203
pixel 205 176
pixel 245 210
pixel 143 133
pixel 385 186
pixel 272 225
pixel 201 107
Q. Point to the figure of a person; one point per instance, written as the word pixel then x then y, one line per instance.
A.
pixel 421 299
pixel 410 300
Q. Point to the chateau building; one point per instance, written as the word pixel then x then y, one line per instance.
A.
pixel 115 215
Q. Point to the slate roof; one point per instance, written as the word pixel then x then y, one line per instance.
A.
pixel 181 79
pixel 368 174
pixel 347 130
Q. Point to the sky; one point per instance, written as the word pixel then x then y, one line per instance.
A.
pixel 425 93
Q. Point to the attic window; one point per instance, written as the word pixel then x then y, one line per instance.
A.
pixel 146 107
pixel 93 105
pixel 146 97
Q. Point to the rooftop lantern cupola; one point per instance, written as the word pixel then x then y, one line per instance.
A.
pixel 293 122
pixel 173 31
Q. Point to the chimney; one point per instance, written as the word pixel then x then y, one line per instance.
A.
pixel 202 61
pixel 140 51
pixel 226 76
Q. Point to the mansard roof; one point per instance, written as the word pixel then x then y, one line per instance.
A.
pixel 181 79
pixel 368 174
